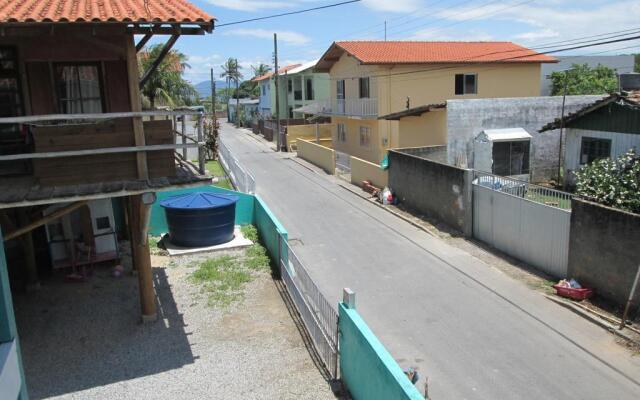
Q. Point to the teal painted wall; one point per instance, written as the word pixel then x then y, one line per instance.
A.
pixel 244 207
pixel 8 329
pixel 272 234
pixel 366 367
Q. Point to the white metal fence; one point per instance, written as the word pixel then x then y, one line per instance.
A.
pixel 241 178
pixel 366 108
pixel 526 221
pixel 319 317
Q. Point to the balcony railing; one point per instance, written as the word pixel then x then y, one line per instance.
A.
pixel 363 108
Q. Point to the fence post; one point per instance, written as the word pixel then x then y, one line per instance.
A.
pixel 201 155
pixel 468 203
pixel 184 136
pixel 349 298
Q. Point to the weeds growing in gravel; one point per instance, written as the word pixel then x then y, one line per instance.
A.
pixel 223 278
pixel 250 232
pixel 155 246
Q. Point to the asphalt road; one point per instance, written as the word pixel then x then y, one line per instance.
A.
pixel 476 333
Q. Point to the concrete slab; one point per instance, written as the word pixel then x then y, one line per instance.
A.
pixel 239 241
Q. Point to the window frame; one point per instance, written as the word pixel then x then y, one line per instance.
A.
pixel 362 87
pixel 308 94
pixel 77 64
pixel 365 143
pixel 341 133
pixel 591 139
pixel 289 85
pixel 463 82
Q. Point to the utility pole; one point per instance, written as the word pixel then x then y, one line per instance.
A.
pixel 564 98
pixel 385 31
pixel 275 56
pixel 213 96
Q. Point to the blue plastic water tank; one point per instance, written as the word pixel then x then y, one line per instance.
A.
pixel 200 219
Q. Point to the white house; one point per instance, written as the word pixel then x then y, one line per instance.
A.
pixel 607 128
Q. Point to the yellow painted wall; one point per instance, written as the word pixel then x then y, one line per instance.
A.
pixel 374 152
pixel 362 170
pixel 426 130
pixel 318 155
pixel 308 132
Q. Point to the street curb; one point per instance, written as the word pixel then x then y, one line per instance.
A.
pixel 594 319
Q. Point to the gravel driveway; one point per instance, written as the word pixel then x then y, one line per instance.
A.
pixel 83 341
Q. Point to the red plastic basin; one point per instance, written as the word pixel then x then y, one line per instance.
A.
pixel 575 294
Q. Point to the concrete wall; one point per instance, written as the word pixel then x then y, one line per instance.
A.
pixel 366 367
pixel 622 64
pixel 434 189
pixel 362 170
pixel 608 265
pixel 318 155
pixel 433 153
pixel 426 130
pixel 294 132
pixel 467 118
pixel 620 144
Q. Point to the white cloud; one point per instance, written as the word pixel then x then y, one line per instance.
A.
pixel 452 35
pixel 290 37
pixel 393 6
pixel 535 35
pixel 250 5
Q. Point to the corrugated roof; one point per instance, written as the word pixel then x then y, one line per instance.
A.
pixel 423 52
pixel 506 134
pixel 122 11
pixel 280 71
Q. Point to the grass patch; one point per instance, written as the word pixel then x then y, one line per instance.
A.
pixel 222 279
pixel 216 170
pixel 155 248
pixel 250 232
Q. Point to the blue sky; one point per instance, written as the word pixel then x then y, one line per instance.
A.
pixel 304 37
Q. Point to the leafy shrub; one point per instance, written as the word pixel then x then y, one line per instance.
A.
pixel 614 183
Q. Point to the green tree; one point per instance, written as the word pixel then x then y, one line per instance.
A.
pixel 261 69
pixel 581 79
pixel 166 83
pixel 636 57
pixel 231 72
pixel 614 183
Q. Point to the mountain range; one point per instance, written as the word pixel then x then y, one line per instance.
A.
pixel 204 88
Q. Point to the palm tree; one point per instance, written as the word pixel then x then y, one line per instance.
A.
pixel 260 70
pixel 166 82
pixel 231 71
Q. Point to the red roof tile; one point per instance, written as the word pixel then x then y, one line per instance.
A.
pixel 123 11
pixel 280 71
pixel 376 52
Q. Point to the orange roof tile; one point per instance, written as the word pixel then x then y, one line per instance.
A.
pixel 123 11
pixel 280 71
pixel 422 52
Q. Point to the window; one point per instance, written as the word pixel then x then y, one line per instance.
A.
pixel 340 89
pixel 103 223
pixel 466 84
pixel 593 149
pixel 511 158
pixel 264 90
pixel 78 88
pixel 289 85
pixel 309 89
pixel 291 112
pixel 364 88
pixel 365 136
pixel 342 132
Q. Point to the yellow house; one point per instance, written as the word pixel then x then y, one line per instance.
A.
pixel 372 79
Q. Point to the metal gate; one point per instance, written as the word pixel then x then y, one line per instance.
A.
pixel 319 317
pixel 343 165
pixel 526 221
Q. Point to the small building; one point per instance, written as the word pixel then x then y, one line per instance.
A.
pixel 504 152
pixel 606 128
pixel 248 109
pixel 267 84
pixel 74 141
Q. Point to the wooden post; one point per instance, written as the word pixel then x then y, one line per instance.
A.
pixel 201 155
pixel 136 105
pixel 31 268
pixel 139 212
pixel 184 136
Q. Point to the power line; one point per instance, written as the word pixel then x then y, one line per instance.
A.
pixel 288 13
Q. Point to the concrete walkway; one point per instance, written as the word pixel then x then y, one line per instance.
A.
pixel 476 333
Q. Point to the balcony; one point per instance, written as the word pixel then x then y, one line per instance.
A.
pixel 357 108
pixel 95 155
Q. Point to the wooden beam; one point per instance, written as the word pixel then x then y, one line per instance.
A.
pixel 98 116
pixel 163 53
pixel 142 258
pixel 51 217
pixel 106 150
pixel 166 30
pixel 143 41
pixel 136 106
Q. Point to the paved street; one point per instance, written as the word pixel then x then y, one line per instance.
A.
pixel 476 333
